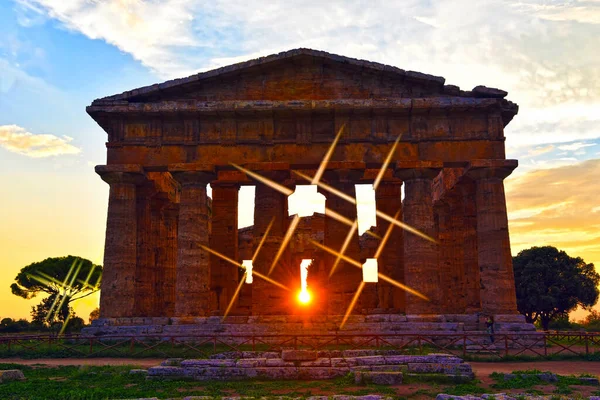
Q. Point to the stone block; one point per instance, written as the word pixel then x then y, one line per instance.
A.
pixel 319 362
pixel 514 327
pixel 216 373
pixel 172 362
pixel 208 363
pixel 278 362
pixel 166 371
pixel 589 381
pixel 377 318
pixel 398 318
pixel 370 360
pixel 9 375
pixel 235 319
pixel 138 372
pixel 299 355
pixel 252 362
pixel 425 318
pixel 389 368
pixel 547 377
pixel 454 369
pixel 329 353
pixel 360 353
pixel 431 358
pixel 276 373
pixel 514 318
pixel 337 362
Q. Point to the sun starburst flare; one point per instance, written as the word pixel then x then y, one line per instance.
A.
pixel 303 295
pixel 66 289
pixel 353 303
pixel 359 265
pixel 286 239
pixel 386 163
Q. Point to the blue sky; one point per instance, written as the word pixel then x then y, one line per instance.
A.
pixel 56 56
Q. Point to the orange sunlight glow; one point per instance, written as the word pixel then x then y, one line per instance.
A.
pixel 304 297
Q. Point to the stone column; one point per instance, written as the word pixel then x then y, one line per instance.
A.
pixel 344 282
pixel 159 252
pixel 145 274
pixel 193 267
pixel 271 205
pixel 224 239
pixel 493 244
pixel 420 255
pixel 451 254
pixel 388 199
pixel 120 248
pixel 170 218
pixel 472 273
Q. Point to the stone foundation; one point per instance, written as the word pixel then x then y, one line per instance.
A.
pixel 379 324
pixel 386 367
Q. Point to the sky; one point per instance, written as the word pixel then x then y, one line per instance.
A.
pixel 56 56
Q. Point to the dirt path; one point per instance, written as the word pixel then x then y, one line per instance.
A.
pixel 54 362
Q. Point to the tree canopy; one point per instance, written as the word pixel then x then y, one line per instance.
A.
pixel 550 283
pixel 65 279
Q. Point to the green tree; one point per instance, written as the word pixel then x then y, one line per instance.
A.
pixel 95 314
pixel 64 279
pixel 550 283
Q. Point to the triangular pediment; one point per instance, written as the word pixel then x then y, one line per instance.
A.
pixel 292 75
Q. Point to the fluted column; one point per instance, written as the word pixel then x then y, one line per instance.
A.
pixel 224 239
pixel 169 275
pixel 272 205
pixel 145 274
pixel 120 248
pixel 388 200
pixel 472 280
pixel 193 267
pixel 421 270
pixel 344 282
pixel 493 243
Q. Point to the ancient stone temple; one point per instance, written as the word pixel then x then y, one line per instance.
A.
pixel 278 115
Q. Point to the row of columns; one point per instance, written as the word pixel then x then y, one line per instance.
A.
pixel 186 285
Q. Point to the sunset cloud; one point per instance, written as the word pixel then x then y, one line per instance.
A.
pixel 17 140
pixel 557 207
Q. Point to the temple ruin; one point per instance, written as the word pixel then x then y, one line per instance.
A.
pixel 280 114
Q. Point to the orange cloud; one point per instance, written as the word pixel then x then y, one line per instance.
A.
pixel 557 207
pixel 16 139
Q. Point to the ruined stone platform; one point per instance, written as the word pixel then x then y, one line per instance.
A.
pixel 383 367
pixel 399 328
pixel 315 324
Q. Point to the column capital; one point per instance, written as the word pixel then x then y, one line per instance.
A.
pixel 123 173
pixel 491 169
pixel 224 185
pixel 411 170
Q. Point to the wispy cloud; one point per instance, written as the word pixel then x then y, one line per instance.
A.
pixel 17 140
pixel 544 53
pixel 152 32
pixel 575 146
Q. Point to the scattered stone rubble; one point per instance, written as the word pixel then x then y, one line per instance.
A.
pixel 382 367
pixel 11 375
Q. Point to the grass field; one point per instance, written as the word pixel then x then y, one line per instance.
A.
pixel 115 382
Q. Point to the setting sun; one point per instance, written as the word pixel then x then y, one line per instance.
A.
pixel 304 296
